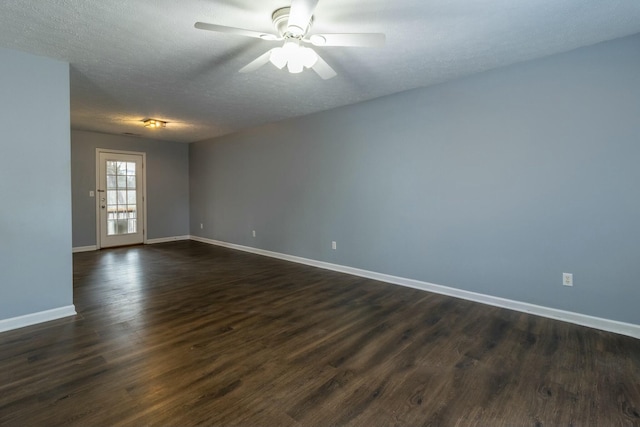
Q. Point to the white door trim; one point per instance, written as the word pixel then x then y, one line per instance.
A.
pixel 144 190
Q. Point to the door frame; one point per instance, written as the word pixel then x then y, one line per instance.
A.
pixel 144 191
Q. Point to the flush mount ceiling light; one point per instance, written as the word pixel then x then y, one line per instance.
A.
pixel 154 123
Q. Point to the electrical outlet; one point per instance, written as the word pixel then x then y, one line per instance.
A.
pixel 567 279
pixel 92 194
pixel 201 226
pixel 334 246
pixel 253 233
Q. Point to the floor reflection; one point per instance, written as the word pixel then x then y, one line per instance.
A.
pixel 121 275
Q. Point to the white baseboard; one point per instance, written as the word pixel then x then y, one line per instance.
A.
pixel 622 328
pixel 148 242
pixel 84 249
pixel 166 239
pixel 39 317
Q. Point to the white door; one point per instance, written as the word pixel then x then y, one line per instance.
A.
pixel 120 199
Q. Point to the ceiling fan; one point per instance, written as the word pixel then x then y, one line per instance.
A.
pixel 292 25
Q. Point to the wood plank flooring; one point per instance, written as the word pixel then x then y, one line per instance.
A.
pixel 185 334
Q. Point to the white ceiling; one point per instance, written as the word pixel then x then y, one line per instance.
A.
pixel 134 59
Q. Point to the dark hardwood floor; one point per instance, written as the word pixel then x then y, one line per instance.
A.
pixel 183 334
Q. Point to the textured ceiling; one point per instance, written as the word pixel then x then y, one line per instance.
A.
pixel 136 59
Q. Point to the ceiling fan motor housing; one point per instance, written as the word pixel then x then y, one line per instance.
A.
pixel 280 19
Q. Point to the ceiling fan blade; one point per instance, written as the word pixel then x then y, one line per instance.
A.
pixel 355 39
pixel 237 31
pixel 300 15
pixel 323 69
pixel 256 63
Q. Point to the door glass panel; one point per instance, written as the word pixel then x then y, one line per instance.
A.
pixel 112 197
pixel 121 198
pixel 111 182
pixel 111 168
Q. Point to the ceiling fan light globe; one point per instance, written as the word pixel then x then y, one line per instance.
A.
pixel 295 66
pixel 308 57
pixel 278 57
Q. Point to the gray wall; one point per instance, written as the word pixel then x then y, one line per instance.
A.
pixel 167 184
pixel 497 183
pixel 35 193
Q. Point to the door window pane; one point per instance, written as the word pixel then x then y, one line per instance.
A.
pixel 111 182
pixel 121 198
pixel 121 168
pixel 112 198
